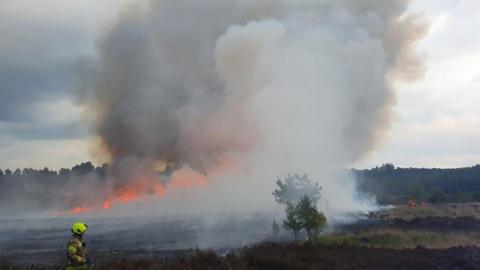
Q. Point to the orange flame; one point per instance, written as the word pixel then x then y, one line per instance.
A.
pixel 159 189
pixel 107 204
pixel 75 211
pixel 185 178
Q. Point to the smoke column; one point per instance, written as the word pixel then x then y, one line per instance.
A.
pixel 272 86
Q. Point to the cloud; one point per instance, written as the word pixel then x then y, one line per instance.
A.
pixel 41 44
pixel 54 154
pixel 32 68
pixel 43 131
pixel 438 119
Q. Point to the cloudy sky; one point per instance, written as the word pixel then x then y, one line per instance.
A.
pixel 437 121
pixel 43 42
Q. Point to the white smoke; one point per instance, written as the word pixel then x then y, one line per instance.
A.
pixel 273 86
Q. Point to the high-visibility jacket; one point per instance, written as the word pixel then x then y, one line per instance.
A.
pixel 76 254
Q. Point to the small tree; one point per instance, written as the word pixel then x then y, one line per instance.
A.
pixel 321 223
pixel 293 187
pixel 292 221
pixel 311 219
pixel 275 229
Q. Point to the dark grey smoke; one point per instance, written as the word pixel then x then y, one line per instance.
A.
pixel 157 95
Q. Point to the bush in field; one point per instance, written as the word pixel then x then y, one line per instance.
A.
pixel 292 188
pixel 292 221
pixel 306 216
pixel 313 221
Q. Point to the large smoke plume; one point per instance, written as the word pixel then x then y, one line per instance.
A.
pixel 273 86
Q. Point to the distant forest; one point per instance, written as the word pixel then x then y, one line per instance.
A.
pixel 32 190
pixel 44 189
pixel 390 185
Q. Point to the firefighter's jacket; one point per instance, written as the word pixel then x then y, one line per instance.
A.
pixel 76 254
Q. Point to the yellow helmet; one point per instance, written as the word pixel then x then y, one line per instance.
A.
pixel 79 228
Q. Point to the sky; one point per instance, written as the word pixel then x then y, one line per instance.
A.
pixel 43 44
pixel 437 119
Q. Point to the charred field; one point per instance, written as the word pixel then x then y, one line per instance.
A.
pixel 295 256
pixel 427 237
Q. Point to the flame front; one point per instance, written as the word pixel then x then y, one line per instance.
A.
pixel 183 179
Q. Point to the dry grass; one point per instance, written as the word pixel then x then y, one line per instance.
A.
pixel 419 229
pixel 450 210
pixel 399 239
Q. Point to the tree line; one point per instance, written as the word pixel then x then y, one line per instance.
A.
pixel 35 189
pixel 32 190
pixel 392 185
pixel 80 169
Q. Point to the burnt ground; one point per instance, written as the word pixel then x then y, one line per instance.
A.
pixel 275 256
pixel 171 244
pixel 34 241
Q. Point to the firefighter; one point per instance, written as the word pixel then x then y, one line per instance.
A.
pixel 76 249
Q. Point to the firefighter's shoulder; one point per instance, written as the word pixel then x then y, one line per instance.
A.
pixel 75 241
